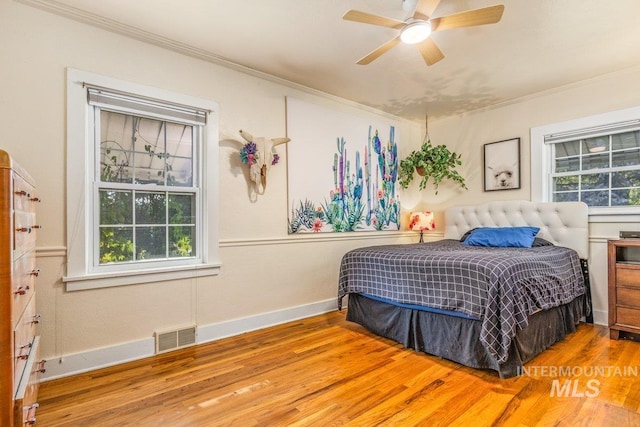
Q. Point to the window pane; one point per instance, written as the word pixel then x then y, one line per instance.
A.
pixel 626 197
pixel 180 155
pixel 182 241
pixel 565 183
pixel 626 179
pixel 116 147
pixel 182 208
pixel 595 181
pixel 625 140
pixel 596 198
pixel 566 197
pixel 151 208
pixel 626 158
pixel 116 244
pixel 598 144
pixel 569 164
pixel 568 148
pixel 151 242
pixel 150 151
pixel 115 207
pixel 597 161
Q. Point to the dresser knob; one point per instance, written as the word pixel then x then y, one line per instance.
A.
pixel 24 351
pixel 21 290
pixel 36 319
pixel 36 226
pixel 36 199
pixel 41 367
pixel 22 193
pixel 31 414
pixel 35 272
pixel 24 229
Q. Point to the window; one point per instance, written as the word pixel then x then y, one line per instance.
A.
pixel 595 160
pixel 143 208
pixel 600 171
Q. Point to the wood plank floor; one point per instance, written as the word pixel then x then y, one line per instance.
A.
pixel 325 371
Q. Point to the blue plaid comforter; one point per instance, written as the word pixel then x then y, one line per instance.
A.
pixel 500 287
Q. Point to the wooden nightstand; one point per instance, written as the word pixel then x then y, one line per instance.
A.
pixel 624 288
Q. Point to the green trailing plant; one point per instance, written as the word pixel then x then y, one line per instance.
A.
pixel 431 162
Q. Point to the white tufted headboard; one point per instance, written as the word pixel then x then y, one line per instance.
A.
pixel 563 224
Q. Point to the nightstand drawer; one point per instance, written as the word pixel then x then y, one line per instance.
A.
pixel 628 297
pixel 628 317
pixel 628 275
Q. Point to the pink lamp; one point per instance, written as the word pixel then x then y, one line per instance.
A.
pixel 422 221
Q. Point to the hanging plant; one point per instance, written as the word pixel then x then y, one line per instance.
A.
pixel 430 162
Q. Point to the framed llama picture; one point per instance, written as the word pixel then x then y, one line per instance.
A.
pixel 502 165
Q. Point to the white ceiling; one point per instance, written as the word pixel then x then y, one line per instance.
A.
pixel 538 45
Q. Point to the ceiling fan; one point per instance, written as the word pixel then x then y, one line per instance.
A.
pixel 417 28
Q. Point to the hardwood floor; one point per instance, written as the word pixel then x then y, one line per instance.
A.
pixel 325 371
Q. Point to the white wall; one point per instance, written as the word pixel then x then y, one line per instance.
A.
pixel 468 132
pixel 266 276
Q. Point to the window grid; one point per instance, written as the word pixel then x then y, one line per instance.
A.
pixel 134 186
pixel 616 195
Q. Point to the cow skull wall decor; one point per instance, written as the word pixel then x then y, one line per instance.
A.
pixel 260 155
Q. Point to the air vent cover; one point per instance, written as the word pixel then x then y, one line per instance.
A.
pixel 172 340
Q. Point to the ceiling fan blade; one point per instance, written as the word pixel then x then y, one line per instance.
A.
pixel 379 51
pixel 425 9
pixel 368 18
pixel 486 15
pixel 430 51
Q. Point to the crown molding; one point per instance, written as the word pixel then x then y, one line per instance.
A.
pixel 130 31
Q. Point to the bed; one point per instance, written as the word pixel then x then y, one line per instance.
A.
pixel 485 307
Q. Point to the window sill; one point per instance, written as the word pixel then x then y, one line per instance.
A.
pixel 614 214
pixel 134 277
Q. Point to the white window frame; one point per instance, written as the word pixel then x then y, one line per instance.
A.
pixel 82 208
pixel 542 162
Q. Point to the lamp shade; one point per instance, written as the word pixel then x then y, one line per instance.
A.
pixel 422 221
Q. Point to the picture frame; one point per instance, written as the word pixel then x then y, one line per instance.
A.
pixel 501 165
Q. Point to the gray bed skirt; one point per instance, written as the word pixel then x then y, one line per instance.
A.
pixel 458 339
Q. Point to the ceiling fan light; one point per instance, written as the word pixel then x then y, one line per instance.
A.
pixel 415 32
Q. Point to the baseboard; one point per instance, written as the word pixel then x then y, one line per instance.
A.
pixel 601 317
pixel 247 324
pixel 71 364
pixel 77 363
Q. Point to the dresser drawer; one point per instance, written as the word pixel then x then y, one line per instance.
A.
pixel 628 317
pixel 23 283
pixel 628 275
pixel 24 233
pixel 24 198
pixel 628 297
pixel 23 336
pixel 25 405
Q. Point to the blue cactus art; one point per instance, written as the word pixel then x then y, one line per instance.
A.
pixel 363 196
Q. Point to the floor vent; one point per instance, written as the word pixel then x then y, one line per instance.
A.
pixel 172 340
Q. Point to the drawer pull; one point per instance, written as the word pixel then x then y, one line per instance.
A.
pixel 21 290
pixel 36 319
pixel 31 414
pixel 36 226
pixel 41 367
pixel 24 229
pixel 22 193
pixel 35 199
pixel 24 351
pixel 35 272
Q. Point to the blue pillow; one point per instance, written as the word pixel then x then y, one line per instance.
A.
pixel 518 237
